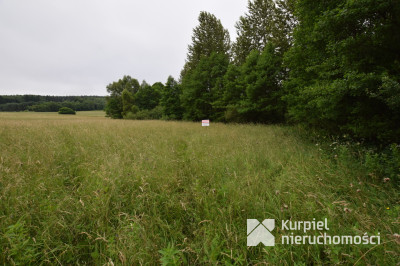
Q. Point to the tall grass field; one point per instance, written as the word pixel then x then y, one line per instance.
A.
pixel 86 189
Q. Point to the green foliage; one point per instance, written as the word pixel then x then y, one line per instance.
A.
pixel 19 246
pixel 46 107
pixel 253 91
pixel 208 37
pixel 202 75
pixel 115 106
pixel 202 88
pixel 389 93
pixel 170 100
pixel 117 87
pixel 344 68
pixel 263 74
pixel 267 22
pixel 66 111
pixel 127 102
pixel 233 85
pixel 148 97
pixel 171 256
pixel 145 114
pixel 384 165
pixel 232 114
pixel 37 103
pixel 128 99
pixel 330 65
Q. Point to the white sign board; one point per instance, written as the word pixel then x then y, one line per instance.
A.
pixel 205 123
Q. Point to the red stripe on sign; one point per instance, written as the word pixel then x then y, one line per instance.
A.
pixel 205 121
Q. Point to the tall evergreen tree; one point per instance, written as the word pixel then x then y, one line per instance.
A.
pixel 170 100
pixel 263 74
pixel 203 88
pixel 253 91
pixel 267 21
pixel 208 37
pixel 207 61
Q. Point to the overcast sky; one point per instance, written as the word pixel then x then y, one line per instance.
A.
pixel 77 47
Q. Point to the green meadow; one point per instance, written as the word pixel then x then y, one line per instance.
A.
pixel 86 189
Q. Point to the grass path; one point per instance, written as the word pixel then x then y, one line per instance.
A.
pixel 88 189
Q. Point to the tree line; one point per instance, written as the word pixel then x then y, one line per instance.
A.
pixel 39 103
pixel 332 65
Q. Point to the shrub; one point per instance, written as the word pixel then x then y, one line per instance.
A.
pixel 232 114
pixel 385 164
pixel 66 111
pixel 155 113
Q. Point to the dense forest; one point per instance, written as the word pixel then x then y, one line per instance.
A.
pixel 329 65
pixel 38 103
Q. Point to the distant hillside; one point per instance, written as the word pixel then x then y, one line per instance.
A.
pixel 38 103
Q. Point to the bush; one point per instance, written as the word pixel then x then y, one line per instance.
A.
pixel 66 111
pixel 385 164
pixel 152 114
pixel 232 114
